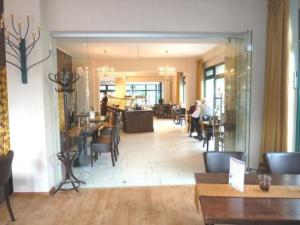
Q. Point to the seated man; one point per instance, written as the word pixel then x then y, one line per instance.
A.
pixel 205 115
pixel 195 117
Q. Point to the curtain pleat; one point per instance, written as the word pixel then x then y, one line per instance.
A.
pixel 4 122
pixel 274 136
pixel 199 79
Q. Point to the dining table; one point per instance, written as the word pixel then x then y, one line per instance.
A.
pixel 81 134
pixel 273 208
pixel 211 129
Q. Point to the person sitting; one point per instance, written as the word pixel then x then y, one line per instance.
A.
pixel 206 110
pixel 205 115
pixel 192 108
pixel 195 117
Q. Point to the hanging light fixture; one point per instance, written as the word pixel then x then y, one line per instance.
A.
pixel 166 70
pixel 105 69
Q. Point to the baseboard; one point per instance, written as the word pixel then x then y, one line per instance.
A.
pixel 30 193
pixel 50 193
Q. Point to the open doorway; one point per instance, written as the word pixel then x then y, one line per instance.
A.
pixel 172 73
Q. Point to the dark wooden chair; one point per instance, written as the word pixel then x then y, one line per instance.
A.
pixel 105 144
pixel 117 138
pixel 182 116
pixel 160 111
pixel 282 162
pixel 218 162
pixel 5 174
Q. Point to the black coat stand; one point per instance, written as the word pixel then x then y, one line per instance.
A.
pixel 65 81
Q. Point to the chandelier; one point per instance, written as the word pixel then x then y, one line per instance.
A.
pixel 105 69
pixel 166 70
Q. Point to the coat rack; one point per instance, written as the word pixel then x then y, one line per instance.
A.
pixel 19 50
pixel 65 81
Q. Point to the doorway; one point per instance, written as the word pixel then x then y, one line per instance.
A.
pixel 227 88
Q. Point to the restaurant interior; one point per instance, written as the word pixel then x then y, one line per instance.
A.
pixel 148 87
pixel 149 112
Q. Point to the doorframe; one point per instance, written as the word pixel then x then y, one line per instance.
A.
pixel 211 37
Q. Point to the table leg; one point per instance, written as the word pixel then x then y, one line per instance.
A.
pixel 217 142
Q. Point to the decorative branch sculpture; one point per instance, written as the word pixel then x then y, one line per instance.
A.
pixel 16 42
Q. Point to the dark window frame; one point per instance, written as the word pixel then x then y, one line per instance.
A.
pixel 157 90
pixel 106 88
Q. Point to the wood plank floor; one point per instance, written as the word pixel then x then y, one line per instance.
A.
pixel 164 205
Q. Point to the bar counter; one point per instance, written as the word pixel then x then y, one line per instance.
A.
pixel 135 121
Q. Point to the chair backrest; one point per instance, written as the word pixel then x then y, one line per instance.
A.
pixel 115 133
pixel 182 111
pixel 282 162
pixel 5 167
pixel 218 162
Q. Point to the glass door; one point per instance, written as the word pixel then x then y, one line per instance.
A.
pixel 236 116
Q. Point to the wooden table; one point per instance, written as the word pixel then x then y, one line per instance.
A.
pixel 82 134
pixel 262 211
pixel 212 130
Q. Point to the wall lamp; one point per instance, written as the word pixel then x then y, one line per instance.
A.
pixel 19 50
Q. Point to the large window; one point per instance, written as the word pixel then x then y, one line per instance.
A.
pixel 214 86
pixel 151 91
pixel 109 89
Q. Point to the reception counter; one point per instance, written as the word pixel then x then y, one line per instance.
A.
pixel 134 121
pixel 138 121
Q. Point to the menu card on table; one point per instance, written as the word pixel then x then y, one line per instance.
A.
pixel 237 174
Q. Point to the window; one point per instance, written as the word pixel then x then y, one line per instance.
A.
pixel 109 89
pixel 214 87
pixel 151 91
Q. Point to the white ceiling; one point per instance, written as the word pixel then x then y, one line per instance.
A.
pixel 95 49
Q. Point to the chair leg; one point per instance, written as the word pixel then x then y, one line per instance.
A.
pixel 112 158
pixel 91 158
pixel 115 152
pixel 117 149
pixel 207 144
pixel 8 205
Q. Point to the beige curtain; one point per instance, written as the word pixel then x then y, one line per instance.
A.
pixel 274 136
pixel 199 79
pixel 4 122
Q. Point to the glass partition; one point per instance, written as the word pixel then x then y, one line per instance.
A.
pixel 236 115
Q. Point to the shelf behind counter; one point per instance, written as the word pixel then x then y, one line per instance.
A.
pixel 136 121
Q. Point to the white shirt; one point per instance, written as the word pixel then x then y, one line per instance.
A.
pixel 205 110
pixel 196 113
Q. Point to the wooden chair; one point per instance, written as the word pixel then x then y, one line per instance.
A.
pixel 282 162
pixel 5 174
pixel 103 144
pixel 182 116
pixel 218 162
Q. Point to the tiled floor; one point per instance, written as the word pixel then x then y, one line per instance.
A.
pixel 165 157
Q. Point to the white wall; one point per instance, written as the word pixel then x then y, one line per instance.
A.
pixel 27 103
pixel 175 16
pixel 32 115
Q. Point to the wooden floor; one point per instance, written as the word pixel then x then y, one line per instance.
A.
pixel 164 205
